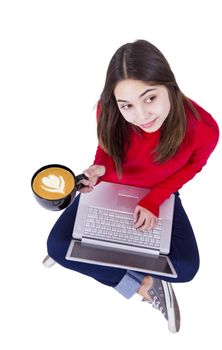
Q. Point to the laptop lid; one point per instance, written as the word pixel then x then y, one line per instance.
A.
pixel 158 265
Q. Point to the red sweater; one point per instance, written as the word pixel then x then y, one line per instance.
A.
pixel 140 170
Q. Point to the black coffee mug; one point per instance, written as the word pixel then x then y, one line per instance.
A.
pixel 63 200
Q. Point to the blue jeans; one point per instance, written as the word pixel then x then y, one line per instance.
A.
pixel 183 254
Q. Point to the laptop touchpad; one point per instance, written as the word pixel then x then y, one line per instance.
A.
pixel 126 202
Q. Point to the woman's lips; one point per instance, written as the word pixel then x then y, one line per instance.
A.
pixel 148 125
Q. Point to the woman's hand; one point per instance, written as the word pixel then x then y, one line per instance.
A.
pixel 143 219
pixel 93 173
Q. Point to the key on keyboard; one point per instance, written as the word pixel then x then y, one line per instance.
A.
pixel 110 225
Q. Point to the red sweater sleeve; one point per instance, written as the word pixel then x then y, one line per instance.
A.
pixel 101 157
pixel 205 141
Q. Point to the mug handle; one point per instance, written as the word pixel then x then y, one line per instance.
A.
pixel 78 179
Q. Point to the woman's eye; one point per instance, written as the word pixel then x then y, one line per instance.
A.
pixel 126 106
pixel 150 99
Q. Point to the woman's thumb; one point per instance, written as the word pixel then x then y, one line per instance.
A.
pixel 135 215
pixel 100 170
pixel 95 170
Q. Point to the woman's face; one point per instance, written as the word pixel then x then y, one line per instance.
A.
pixel 141 104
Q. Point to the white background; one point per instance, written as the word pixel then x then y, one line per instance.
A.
pixel 54 56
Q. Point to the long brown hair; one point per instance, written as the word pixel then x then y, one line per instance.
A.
pixel 140 60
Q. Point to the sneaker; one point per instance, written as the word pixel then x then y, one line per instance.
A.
pixel 164 299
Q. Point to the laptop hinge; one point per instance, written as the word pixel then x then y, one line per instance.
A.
pixel 114 245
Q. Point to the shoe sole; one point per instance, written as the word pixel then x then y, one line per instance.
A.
pixel 173 311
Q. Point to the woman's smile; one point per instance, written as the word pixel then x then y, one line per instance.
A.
pixel 149 124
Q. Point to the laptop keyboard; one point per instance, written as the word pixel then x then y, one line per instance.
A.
pixel 110 225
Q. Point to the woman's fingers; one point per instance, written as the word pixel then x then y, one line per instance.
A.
pixel 91 182
pixel 143 219
pixel 149 224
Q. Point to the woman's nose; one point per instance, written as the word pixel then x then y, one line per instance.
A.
pixel 141 115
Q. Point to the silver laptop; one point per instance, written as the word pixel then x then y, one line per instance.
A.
pixel 103 232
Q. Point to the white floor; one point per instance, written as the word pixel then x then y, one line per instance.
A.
pixel 53 65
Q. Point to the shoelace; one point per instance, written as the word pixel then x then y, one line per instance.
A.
pixel 156 304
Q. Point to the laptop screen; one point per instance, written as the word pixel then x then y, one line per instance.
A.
pixel 159 264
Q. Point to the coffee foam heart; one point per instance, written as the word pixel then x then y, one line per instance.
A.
pixel 53 183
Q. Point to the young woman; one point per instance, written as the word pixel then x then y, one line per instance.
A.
pixel 150 135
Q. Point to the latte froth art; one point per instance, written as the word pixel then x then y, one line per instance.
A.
pixel 53 183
